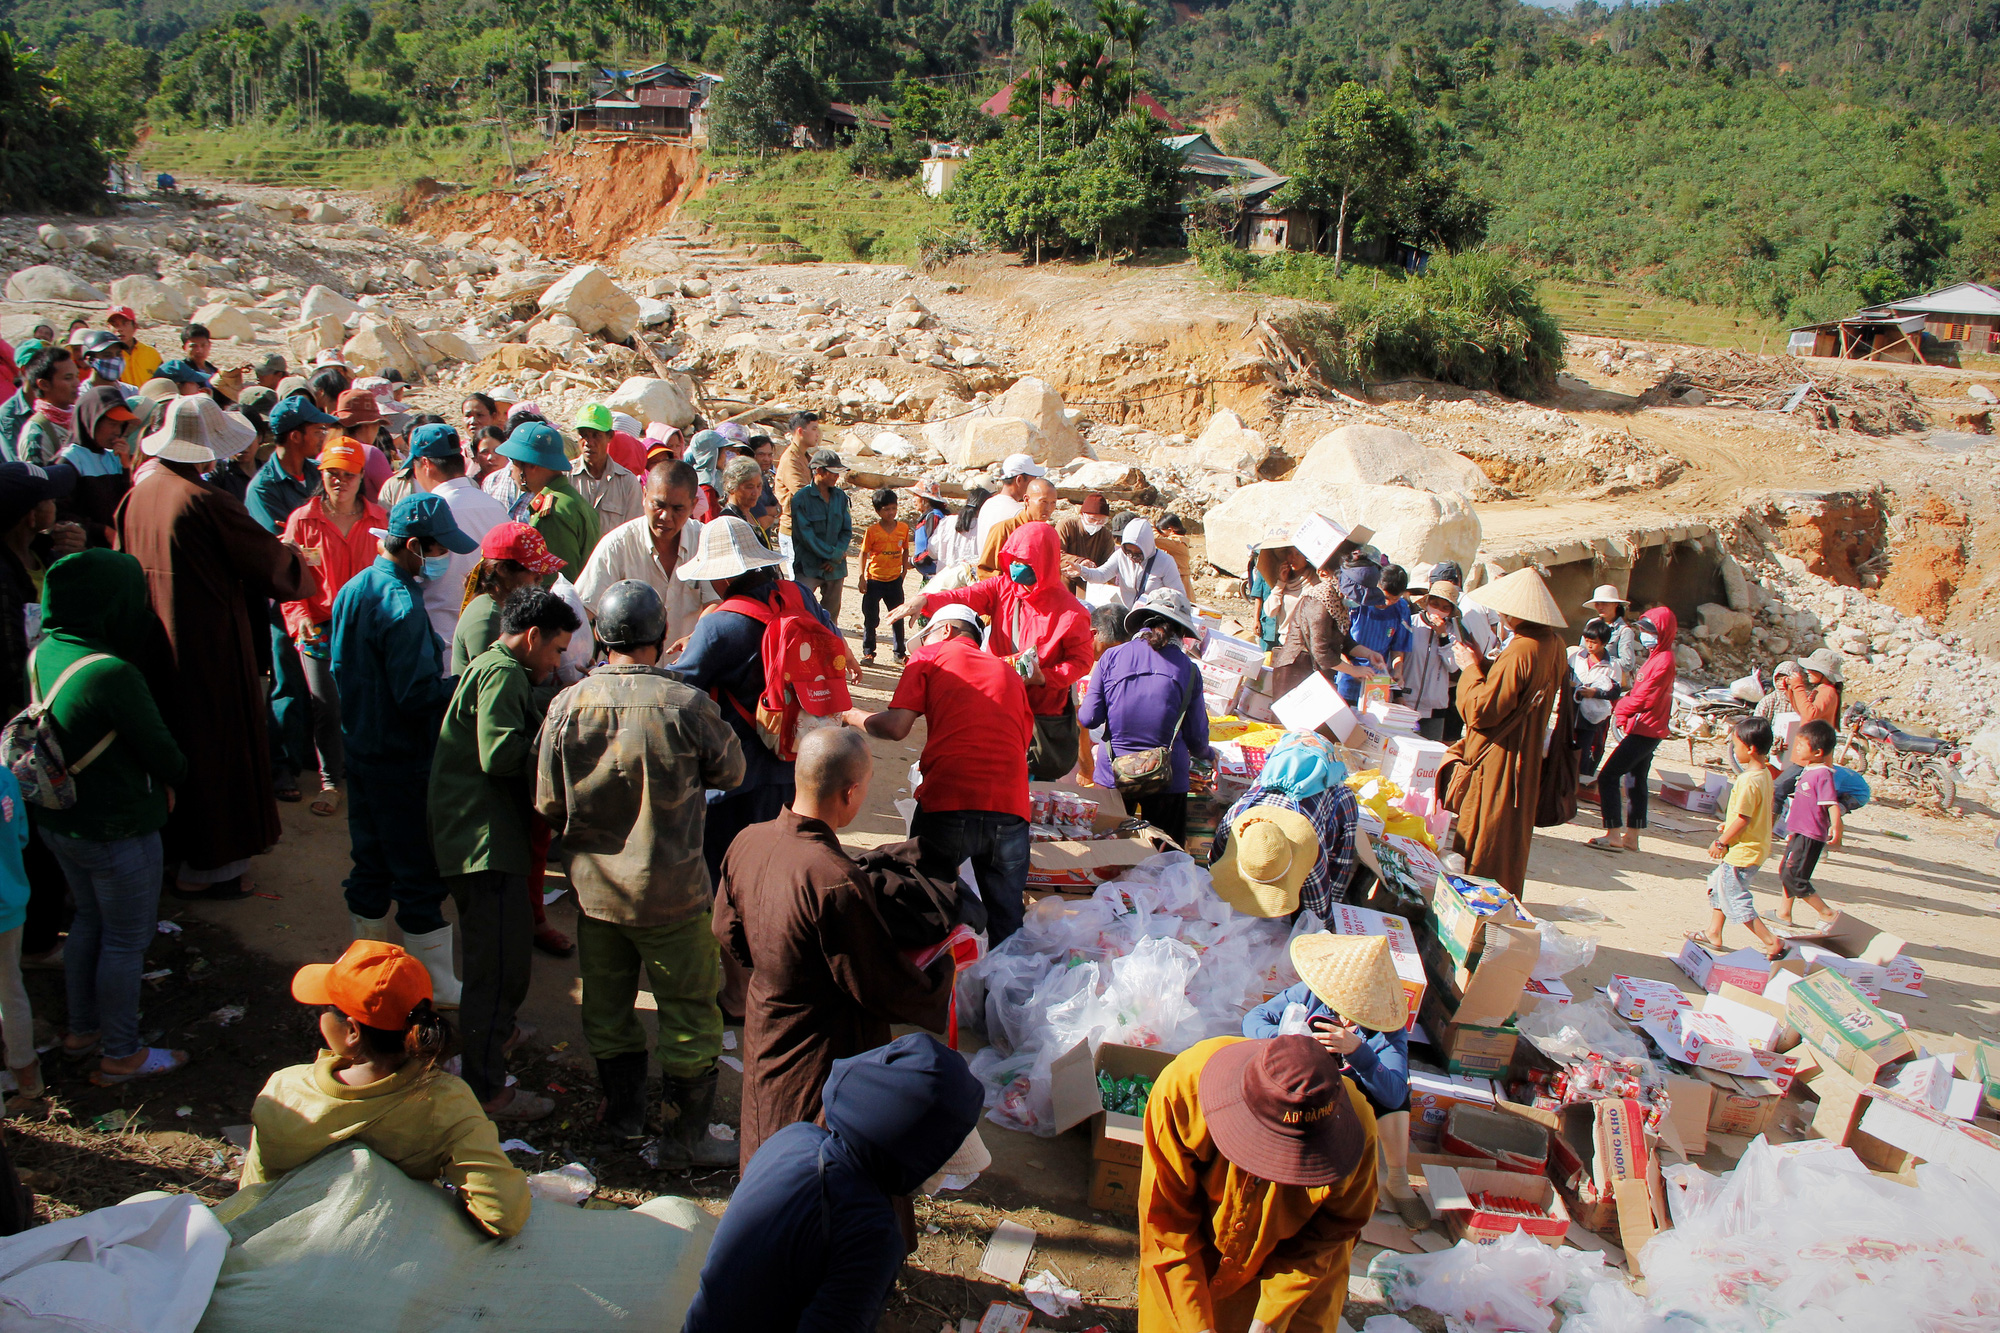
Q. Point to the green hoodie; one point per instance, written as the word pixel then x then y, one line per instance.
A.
pixel 95 602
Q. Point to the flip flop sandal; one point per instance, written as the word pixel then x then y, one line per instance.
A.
pixel 552 941
pixel 1603 846
pixel 157 1061
pixel 327 803
pixel 1704 940
pixel 222 891
pixel 289 795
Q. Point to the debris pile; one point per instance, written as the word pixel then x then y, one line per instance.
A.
pixel 1701 377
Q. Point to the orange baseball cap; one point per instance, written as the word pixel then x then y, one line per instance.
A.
pixel 374 983
pixel 343 454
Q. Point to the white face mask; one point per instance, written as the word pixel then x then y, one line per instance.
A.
pixel 1093 523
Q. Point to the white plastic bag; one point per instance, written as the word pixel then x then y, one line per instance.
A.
pixel 1563 953
pixel 571 1184
pixel 1570 1032
pixel 1507 1284
pixel 1149 990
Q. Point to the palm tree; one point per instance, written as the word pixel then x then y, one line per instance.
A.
pixel 1135 22
pixel 1041 17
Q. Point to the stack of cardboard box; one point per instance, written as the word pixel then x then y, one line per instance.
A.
pixel 1478 963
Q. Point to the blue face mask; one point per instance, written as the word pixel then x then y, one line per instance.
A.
pixel 111 367
pixel 436 567
pixel 1649 640
pixel 1022 573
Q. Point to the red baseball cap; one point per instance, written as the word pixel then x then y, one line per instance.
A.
pixel 122 312
pixel 1278 1108
pixel 374 983
pixel 522 544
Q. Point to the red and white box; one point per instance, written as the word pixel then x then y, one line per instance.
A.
pixel 1696 1037
pixel 1640 998
pixel 1747 968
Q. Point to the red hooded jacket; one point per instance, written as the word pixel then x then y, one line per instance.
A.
pixel 1048 616
pixel 1650 702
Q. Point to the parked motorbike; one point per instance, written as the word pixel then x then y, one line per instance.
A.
pixel 1870 742
pixel 1705 716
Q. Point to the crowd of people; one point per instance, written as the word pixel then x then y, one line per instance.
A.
pixel 500 647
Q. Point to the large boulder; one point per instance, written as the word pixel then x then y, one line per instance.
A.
pixel 154 301
pixel 557 337
pixel 1716 621
pixel 223 320
pixel 451 346
pixel 651 400
pixel 526 284
pixel 379 344
pixel 1227 445
pixel 984 441
pixel 1034 401
pixel 326 301
pixel 1379 456
pixel 308 340
pixel 1417 528
pixel 46 282
pixel 598 304
pixel 326 215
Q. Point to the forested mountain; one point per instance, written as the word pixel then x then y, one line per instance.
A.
pixel 1795 155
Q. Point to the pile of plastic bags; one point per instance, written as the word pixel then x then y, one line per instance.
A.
pixel 1153 958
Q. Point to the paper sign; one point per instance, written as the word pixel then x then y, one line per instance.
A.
pixel 1006 1256
pixel 1313 704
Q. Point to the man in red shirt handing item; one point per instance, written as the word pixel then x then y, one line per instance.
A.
pixel 973 801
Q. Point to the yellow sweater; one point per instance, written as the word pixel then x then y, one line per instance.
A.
pixel 425 1121
pixel 141 364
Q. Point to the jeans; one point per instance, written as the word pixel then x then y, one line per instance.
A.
pixel 325 717
pixel 498 931
pixel 117 890
pixel 48 895
pixel 683 967
pixel 997 846
pixel 388 828
pixel 881 593
pixel 1634 755
pixel 827 591
pixel 289 705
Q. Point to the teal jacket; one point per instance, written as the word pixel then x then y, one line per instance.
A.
pixel 388 664
pixel 822 530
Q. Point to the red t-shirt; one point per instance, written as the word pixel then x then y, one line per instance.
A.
pixel 977 728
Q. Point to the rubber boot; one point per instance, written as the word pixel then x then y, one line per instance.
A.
pixel 434 952
pixel 684 1143
pixel 370 928
pixel 623 1078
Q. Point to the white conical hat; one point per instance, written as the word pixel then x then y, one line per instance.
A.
pixel 1522 595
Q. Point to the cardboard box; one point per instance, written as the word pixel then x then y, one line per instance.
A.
pixel 1838 1021
pixel 1312 705
pixel 1708 1041
pixel 1618 1141
pixel 1690 1101
pixel 1461 929
pixel 1073 1084
pixel 1487 1052
pixel 1738 1105
pixel 1702 794
pixel 1637 998
pixel 1986 1073
pixel 1868 978
pixel 1433 1097
pixel 1346 920
pixel 1459 1196
pixel 1851 937
pixel 1316 536
pixel 1598 1145
pixel 1114 1187
pixel 1539 991
pixel 1929 1135
pixel 1488 993
pixel 1708 969
pixel 1079 867
pixel 1414 762
pixel 1514 1144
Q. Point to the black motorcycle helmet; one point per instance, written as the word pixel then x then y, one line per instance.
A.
pixel 631 615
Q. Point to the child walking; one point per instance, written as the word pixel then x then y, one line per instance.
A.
pixel 1814 820
pixel 1743 840
pixel 885 559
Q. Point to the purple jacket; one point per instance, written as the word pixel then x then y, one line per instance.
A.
pixel 1147 698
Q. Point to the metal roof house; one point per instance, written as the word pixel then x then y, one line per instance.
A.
pixel 1967 313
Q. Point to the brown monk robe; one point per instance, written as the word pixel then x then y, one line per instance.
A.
pixel 205 559
pixel 825 979
pixel 1506 704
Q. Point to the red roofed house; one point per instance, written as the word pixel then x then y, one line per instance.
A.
pixel 1060 96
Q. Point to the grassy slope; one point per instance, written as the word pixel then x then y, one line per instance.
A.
pixel 813 199
pixel 383 160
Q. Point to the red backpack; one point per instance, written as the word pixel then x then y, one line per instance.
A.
pixel 805 670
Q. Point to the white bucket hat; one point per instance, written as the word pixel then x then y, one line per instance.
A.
pixel 729 548
pixel 1167 604
pixel 196 430
pixel 1606 593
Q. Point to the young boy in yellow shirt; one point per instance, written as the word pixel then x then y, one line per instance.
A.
pixel 1743 840
pixel 885 559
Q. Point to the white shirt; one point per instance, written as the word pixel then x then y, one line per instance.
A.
pixel 626 552
pixel 476 514
pixel 615 496
pixel 574 664
pixel 997 509
pixel 1596 676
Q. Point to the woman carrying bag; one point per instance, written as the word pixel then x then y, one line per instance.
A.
pixel 1148 694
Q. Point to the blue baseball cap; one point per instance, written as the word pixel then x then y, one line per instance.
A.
pixel 429 517
pixel 436 441
pixel 181 372
pixel 294 412
pixel 536 444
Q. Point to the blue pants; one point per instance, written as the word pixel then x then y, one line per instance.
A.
pixel 117 889
pixel 997 846
pixel 388 824
pixel 291 706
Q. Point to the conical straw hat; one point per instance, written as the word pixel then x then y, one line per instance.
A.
pixel 1523 595
pixel 1354 975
